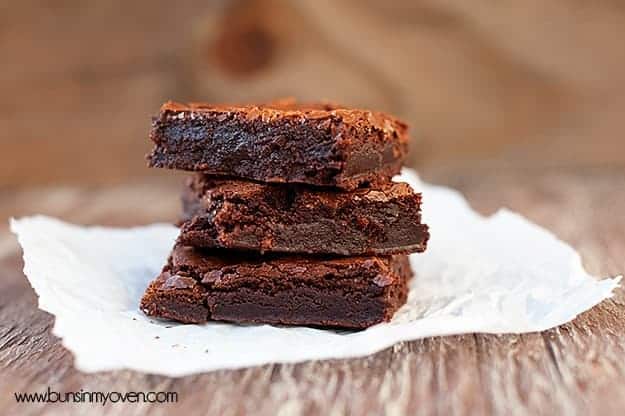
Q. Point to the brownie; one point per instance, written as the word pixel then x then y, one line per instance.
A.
pixel 347 292
pixel 298 219
pixel 318 144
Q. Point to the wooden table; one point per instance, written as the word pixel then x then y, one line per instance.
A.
pixel 578 368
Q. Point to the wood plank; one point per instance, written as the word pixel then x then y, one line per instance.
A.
pixel 574 369
pixel 523 84
pixel 585 356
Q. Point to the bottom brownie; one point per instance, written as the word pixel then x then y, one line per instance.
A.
pixel 352 292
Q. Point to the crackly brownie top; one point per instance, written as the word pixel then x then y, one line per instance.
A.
pixel 224 267
pixel 242 190
pixel 290 109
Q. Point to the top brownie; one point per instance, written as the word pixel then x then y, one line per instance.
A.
pixel 317 144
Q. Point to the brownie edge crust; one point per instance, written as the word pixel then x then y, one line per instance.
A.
pixel 356 292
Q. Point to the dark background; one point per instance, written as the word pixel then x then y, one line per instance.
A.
pixel 485 85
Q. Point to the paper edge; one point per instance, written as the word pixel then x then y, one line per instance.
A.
pixel 401 332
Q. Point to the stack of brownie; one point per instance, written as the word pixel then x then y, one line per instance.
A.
pixel 290 216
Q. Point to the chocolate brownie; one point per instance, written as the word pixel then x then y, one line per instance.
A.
pixel 318 144
pixel 348 292
pixel 299 219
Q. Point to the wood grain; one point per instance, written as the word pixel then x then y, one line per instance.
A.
pixel 519 83
pixel 575 369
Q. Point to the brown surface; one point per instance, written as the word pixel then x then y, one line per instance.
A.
pixel 518 82
pixel 355 292
pixel 314 143
pixel 262 217
pixel 577 368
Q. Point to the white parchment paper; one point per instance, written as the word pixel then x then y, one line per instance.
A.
pixel 501 274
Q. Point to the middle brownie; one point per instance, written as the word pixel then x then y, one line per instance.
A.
pixel 297 219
